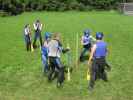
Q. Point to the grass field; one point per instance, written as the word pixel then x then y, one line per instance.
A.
pixel 20 71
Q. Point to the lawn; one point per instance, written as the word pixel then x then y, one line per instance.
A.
pixel 20 71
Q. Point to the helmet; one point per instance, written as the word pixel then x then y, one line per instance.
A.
pixel 87 32
pixel 99 35
pixel 47 35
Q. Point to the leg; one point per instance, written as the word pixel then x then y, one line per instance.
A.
pixel 60 78
pixel 82 53
pixel 35 38
pixel 52 69
pixel 93 75
pixel 102 64
pixel 26 41
pixel 40 39
pixel 29 43
pixel 104 75
pixel 27 47
pixel 45 63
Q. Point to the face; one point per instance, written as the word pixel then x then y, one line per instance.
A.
pixel 48 39
pixel 57 36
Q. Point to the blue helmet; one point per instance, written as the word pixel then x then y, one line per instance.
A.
pixel 47 35
pixel 87 32
pixel 99 35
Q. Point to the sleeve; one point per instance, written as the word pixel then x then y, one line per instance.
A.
pixel 60 48
pixel 92 38
pixel 25 31
pixel 40 26
pixel 82 40
pixel 35 27
pixel 106 48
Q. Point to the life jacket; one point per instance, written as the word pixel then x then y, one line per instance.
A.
pixel 101 49
pixel 86 40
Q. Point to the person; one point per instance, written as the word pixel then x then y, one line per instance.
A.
pixel 38 28
pixel 98 57
pixel 86 41
pixel 27 36
pixel 44 52
pixel 56 67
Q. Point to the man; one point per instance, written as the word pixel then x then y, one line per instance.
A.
pixel 38 28
pixel 44 53
pixel 55 49
pixel 98 58
pixel 86 41
pixel 27 35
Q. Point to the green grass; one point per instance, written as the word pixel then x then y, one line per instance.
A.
pixel 20 71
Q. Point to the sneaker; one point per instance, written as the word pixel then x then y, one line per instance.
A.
pixel 90 88
pixel 59 85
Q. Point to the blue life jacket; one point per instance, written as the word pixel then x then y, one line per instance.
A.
pixel 44 51
pixel 101 49
pixel 86 40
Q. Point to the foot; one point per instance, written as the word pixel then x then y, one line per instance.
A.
pixel 90 88
pixel 59 85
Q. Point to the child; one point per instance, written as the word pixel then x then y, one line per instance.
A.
pixel 27 35
pixel 44 53
pixel 86 41
pixel 38 28
pixel 98 58
pixel 56 66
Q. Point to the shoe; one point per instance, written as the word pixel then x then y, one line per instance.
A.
pixel 59 85
pixel 90 88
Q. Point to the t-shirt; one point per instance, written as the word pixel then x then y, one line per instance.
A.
pixel 54 49
pixel 26 31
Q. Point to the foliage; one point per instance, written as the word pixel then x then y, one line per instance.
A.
pixel 14 7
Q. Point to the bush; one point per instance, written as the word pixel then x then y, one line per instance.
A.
pixel 15 7
pixel 3 13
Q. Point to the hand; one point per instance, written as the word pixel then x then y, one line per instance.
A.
pixel 108 69
pixel 88 62
pixel 88 70
pixel 68 47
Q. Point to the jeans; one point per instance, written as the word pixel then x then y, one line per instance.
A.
pixel 45 63
pixel 28 42
pixel 98 71
pixel 37 35
pixel 56 67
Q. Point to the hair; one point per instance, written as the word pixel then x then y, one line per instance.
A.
pixel 37 21
pixel 56 36
pixel 26 25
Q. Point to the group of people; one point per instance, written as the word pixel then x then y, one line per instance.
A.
pixel 27 34
pixel 51 49
pixel 97 59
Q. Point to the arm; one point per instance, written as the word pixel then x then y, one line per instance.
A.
pixel 34 26
pixel 107 65
pixel 63 49
pixel 40 26
pixel 29 31
pixel 25 31
pixel 82 40
pixel 92 38
pixel 93 49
